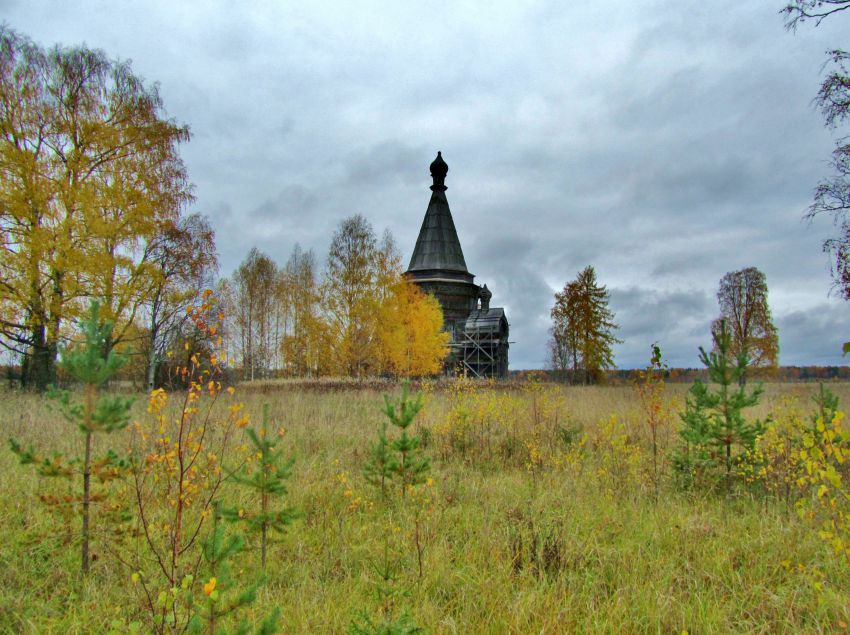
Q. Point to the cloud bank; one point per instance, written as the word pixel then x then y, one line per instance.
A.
pixel 665 144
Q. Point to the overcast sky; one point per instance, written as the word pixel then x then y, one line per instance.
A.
pixel 665 143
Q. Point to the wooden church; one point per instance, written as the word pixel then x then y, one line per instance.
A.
pixel 479 332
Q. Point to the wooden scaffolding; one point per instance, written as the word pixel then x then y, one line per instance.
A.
pixel 480 346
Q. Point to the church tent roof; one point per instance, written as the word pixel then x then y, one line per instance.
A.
pixel 438 247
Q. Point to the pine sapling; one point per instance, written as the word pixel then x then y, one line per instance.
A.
pixel 386 594
pixel 269 481
pixel 401 458
pixel 713 421
pixel 92 366
pixel 382 464
pixel 411 466
pixel 222 598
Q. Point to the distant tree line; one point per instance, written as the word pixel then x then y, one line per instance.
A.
pixel 689 375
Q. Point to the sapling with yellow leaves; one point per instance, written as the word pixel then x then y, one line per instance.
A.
pixel 650 389
pixel 773 466
pixel 824 456
pixel 96 413
pixel 177 475
pixel 827 407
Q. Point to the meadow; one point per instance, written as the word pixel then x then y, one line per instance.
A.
pixel 542 512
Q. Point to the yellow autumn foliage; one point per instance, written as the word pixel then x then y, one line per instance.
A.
pixel 411 340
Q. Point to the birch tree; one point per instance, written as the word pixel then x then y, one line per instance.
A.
pixel 348 298
pixel 744 309
pixel 89 170
pixel 254 295
pixel 185 258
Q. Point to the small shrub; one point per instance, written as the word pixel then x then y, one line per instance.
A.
pixel 824 456
pixel 619 458
pixel 773 466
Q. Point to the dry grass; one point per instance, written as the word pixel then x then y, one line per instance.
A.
pixel 571 542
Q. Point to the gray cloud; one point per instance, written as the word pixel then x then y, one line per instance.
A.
pixel 385 162
pixel 677 320
pixel 814 335
pixel 665 143
pixel 292 202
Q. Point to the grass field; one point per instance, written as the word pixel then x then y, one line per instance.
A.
pixel 539 518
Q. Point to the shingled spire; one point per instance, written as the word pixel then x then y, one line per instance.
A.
pixel 438 248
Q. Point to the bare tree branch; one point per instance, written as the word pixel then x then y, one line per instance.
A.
pixel 800 11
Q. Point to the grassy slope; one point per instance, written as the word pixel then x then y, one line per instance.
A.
pixel 506 549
